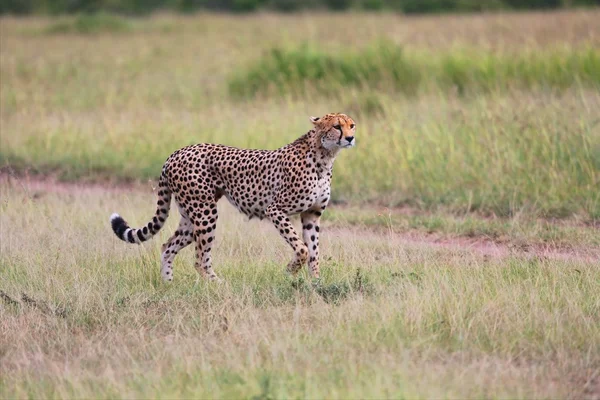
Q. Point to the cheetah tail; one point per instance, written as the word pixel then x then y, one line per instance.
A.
pixel 132 235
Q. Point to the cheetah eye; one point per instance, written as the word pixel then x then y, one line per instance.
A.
pixel 351 126
pixel 339 128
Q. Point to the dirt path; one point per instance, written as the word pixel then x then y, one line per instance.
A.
pixel 492 249
pixel 37 187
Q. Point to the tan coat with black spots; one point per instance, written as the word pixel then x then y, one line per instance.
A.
pixel 273 184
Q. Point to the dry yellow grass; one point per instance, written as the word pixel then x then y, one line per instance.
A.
pixel 497 30
pixel 419 321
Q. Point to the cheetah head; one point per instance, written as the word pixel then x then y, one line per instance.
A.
pixel 335 130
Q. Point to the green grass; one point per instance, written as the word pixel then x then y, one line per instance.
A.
pixel 386 67
pixel 389 319
pixel 536 153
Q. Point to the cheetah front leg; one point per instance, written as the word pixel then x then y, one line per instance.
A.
pixel 286 230
pixel 310 232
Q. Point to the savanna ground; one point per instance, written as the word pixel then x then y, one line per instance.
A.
pixel 460 254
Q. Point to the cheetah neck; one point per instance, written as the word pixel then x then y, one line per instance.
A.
pixel 318 146
pixel 311 143
pixel 323 157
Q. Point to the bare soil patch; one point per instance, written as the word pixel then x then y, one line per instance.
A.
pixel 490 248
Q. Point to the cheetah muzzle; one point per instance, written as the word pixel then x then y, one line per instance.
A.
pixel 273 184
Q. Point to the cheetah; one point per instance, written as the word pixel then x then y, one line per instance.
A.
pixel 272 184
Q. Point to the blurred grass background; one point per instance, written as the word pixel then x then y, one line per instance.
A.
pixel 504 121
pixel 245 6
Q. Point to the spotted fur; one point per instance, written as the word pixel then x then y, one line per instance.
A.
pixel 272 184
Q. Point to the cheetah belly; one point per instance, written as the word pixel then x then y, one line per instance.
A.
pixel 251 198
pixel 256 207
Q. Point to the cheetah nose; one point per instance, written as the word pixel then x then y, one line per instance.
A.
pixel 349 139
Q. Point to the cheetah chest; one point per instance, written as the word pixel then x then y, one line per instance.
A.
pixel 319 188
pixel 322 193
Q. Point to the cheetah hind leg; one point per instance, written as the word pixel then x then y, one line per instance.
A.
pixel 204 235
pixel 180 239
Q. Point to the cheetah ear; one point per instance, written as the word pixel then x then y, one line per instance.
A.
pixel 314 120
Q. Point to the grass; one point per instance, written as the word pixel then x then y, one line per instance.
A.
pixel 89 316
pixel 385 66
pixel 495 143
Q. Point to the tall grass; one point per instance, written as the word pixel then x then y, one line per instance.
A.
pixel 385 66
pixel 535 153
